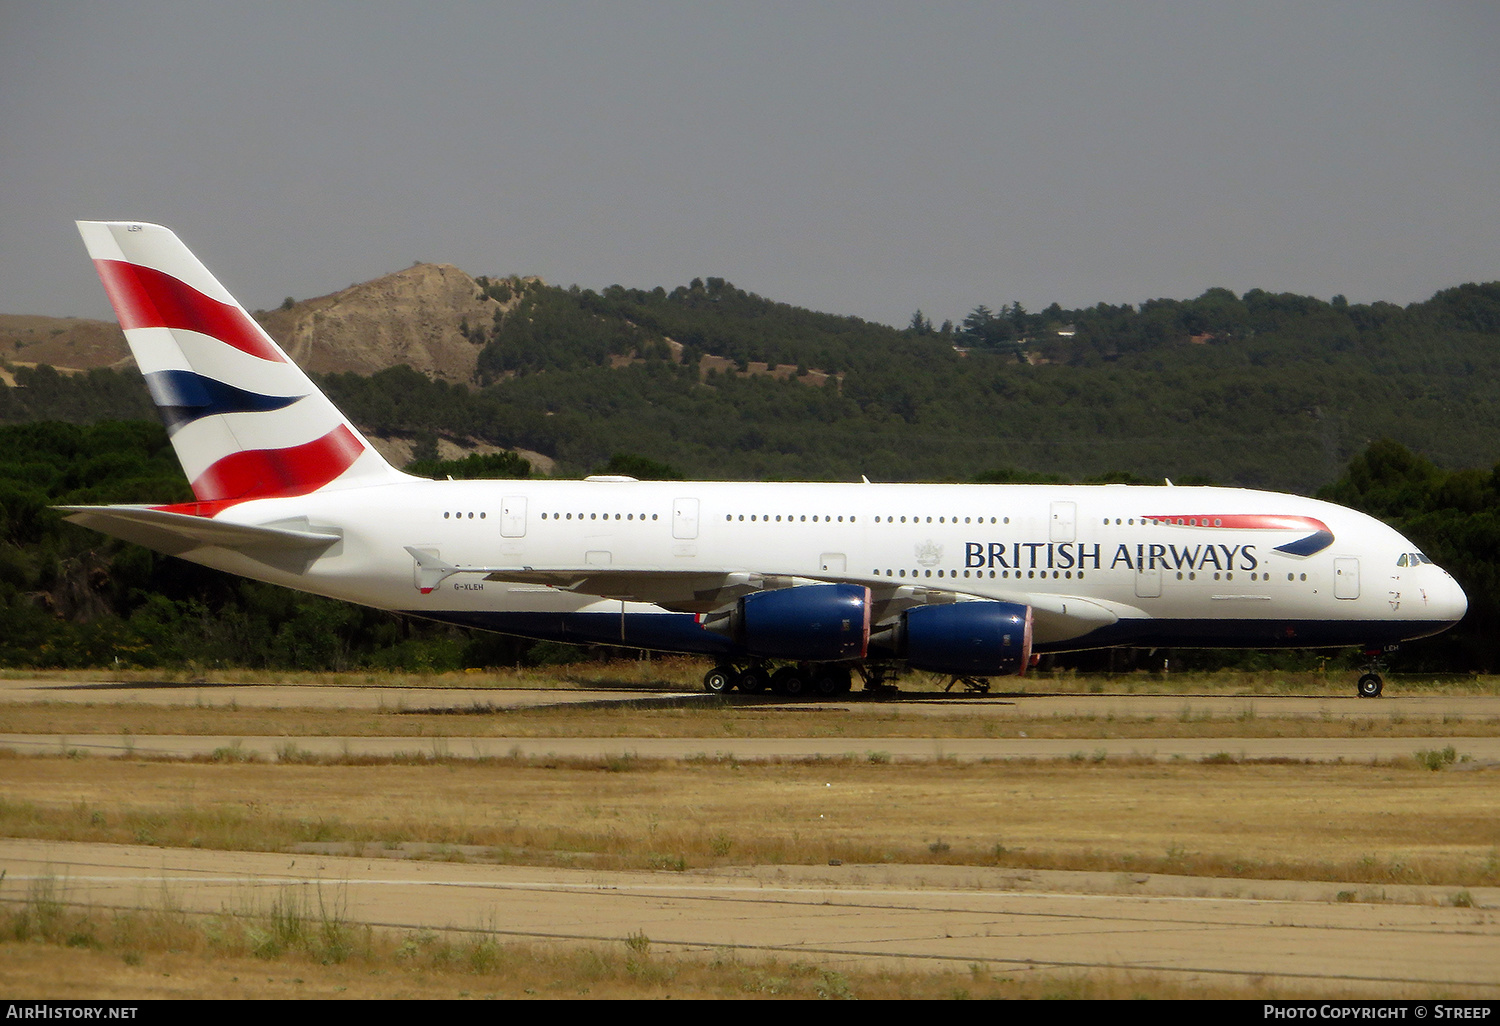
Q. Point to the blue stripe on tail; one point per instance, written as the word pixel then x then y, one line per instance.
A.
pixel 182 397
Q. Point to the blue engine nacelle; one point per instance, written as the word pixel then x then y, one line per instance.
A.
pixel 813 622
pixel 967 639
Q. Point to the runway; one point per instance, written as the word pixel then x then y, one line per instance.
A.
pixel 1000 704
pixel 1481 752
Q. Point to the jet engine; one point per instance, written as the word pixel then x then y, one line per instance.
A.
pixel 815 622
pixel 966 639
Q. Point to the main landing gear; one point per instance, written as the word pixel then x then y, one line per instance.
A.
pixel 750 679
pixel 718 680
pixel 793 681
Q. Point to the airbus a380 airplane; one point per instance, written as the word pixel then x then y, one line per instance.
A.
pixel 828 579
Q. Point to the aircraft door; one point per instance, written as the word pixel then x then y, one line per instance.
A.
pixel 513 516
pixel 1064 517
pixel 1148 582
pixel 684 518
pixel 1346 577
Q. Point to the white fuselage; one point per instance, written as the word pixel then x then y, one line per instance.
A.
pixel 1125 556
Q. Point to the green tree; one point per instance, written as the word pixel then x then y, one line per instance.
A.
pixel 473 466
pixel 641 468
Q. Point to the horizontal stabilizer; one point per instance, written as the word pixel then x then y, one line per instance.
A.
pixel 177 533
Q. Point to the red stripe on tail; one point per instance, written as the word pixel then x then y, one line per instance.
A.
pixel 144 297
pixel 269 473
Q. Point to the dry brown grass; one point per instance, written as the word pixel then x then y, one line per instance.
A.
pixel 1357 823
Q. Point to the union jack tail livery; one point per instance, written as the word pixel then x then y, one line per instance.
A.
pixel 245 421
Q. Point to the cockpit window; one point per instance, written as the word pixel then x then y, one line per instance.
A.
pixel 1412 559
pixel 1403 561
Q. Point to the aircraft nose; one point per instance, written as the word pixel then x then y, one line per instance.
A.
pixel 1450 603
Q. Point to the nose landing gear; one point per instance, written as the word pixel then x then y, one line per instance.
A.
pixel 1370 684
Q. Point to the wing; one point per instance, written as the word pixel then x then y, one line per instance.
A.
pixel 1056 617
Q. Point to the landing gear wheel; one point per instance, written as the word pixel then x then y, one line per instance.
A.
pixel 1370 685
pixel 752 681
pixel 789 681
pixel 718 680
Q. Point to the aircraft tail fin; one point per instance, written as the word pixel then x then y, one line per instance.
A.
pixel 244 420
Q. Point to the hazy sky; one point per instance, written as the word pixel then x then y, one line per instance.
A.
pixel 863 158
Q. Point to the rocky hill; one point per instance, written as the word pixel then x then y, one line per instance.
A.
pixel 423 316
pixel 67 343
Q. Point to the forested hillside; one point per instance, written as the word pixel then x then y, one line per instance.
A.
pixel 1261 390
